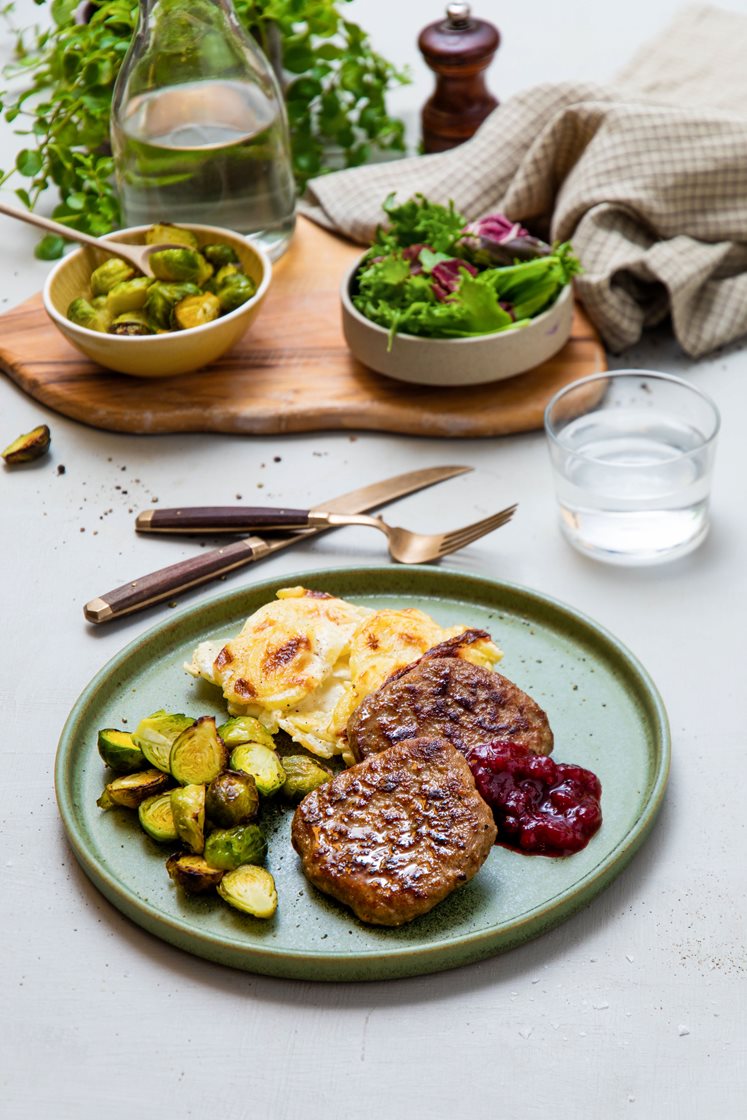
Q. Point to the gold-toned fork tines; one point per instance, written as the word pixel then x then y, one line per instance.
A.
pixel 418 548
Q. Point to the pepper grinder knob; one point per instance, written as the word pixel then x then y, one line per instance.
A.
pixel 458 49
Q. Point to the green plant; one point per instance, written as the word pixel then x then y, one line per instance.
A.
pixel 335 88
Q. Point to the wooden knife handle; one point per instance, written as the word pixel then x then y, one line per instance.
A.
pixel 220 519
pixel 168 581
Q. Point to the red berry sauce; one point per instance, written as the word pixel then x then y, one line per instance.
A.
pixel 541 807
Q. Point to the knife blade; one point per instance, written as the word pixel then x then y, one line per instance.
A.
pixel 156 586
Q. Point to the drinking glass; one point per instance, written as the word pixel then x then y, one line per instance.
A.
pixel 632 453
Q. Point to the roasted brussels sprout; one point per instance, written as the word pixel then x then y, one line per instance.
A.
pixel 228 848
pixel 180 266
pixel 195 311
pixel 302 774
pixel 109 274
pixel 164 233
pixel 162 299
pixel 84 314
pixel 245 729
pixel 199 754
pixel 262 763
pixel 188 811
pixel 250 889
pixel 156 734
pixel 236 291
pixel 231 799
pixel 226 274
pixel 131 323
pixel 219 255
pixel 130 295
pixel 156 818
pixel 119 752
pixel 128 791
pixel 28 447
pixel 192 873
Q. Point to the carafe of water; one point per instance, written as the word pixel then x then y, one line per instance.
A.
pixel 199 131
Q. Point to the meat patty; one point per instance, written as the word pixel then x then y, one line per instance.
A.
pixel 443 695
pixel 394 835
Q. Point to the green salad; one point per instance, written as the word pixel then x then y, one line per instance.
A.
pixel 431 273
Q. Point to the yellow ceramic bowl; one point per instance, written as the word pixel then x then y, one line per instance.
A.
pixel 158 355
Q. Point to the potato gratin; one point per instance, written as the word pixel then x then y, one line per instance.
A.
pixel 303 662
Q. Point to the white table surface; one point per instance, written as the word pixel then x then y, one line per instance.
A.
pixel 632 1008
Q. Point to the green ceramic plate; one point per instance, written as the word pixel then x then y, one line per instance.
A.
pixel 604 710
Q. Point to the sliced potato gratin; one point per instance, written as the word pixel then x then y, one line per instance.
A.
pixel 303 662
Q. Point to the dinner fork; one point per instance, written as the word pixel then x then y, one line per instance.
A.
pixel 405 546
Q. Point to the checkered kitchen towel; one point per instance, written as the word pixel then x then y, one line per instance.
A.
pixel 648 179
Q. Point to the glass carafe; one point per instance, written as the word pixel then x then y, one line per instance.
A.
pixel 198 128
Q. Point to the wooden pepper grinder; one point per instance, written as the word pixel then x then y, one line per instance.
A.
pixel 458 49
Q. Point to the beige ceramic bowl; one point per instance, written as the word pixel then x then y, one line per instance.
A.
pixel 159 355
pixel 456 361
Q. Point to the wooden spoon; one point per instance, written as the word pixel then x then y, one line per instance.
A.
pixel 137 255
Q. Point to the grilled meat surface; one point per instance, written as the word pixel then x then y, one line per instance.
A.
pixel 394 835
pixel 442 695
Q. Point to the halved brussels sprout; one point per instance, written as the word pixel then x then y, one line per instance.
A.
pixel 156 734
pixel 162 299
pixel 109 274
pixel 130 790
pixel 188 811
pixel 245 729
pixel 180 266
pixel 199 754
pixel 156 818
pixel 302 774
pixel 192 874
pixel 195 311
pixel 228 848
pixel 219 255
pixel 232 799
pixel 130 295
pixel 235 291
pixel 164 233
pixel 250 889
pixel 262 763
pixel 28 447
pixel 226 274
pixel 133 323
pixel 84 314
pixel 119 752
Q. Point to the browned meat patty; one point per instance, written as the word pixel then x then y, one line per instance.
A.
pixel 394 835
pixel 443 695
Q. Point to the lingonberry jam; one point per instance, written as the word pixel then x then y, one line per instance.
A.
pixel 541 807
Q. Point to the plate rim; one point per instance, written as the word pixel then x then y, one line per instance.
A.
pixel 357 965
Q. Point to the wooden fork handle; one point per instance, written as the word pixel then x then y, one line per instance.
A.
pixel 159 585
pixel 220 519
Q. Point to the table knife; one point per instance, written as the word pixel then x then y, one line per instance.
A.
pixel 159 585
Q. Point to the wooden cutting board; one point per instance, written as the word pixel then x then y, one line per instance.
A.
pixel 291 373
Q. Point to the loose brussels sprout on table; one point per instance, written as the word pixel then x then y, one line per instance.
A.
pixel 190 287
pixel 31 445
